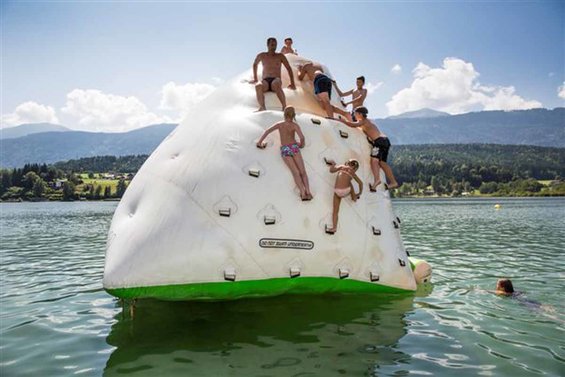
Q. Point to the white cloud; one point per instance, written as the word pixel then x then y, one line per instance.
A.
pixel 217 80
pixel 454 88
pixel 561 91
pixel 30 112
pixel 397 69
pixel 371 88
pixel 98 111
pixel 183 97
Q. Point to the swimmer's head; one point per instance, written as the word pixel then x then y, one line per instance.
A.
pixel 362 111
pixel 289 113
pixel 288 42
pixel 504 286
pixel 353 164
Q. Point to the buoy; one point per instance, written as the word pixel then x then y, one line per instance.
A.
pixel 497 206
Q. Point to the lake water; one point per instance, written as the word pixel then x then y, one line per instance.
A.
pixel 55 319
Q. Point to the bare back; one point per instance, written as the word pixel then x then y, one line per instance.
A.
pixel 371 130
pixel 287 131
pixel 310 69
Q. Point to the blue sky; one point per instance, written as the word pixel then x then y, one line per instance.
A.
pixel 72 61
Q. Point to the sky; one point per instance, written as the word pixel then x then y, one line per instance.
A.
pixel 114 66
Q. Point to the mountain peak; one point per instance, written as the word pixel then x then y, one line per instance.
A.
pixel 422 113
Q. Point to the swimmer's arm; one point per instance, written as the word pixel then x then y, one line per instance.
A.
pixel 335 168
pixel 266 133
pixel 290 73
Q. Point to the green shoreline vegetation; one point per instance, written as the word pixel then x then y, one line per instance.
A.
pixel 441 170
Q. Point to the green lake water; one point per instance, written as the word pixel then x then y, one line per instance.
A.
pixel 55 319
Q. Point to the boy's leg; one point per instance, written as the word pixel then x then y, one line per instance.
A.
pixel 337 202
pixel 277 88
pixel 389 176
pixel 376 169
pixel 289 161
pixel 324 99
pixel 302 170
pixel 260 91
pixel 341 112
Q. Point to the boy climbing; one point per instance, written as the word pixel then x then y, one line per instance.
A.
pixel 343 187
pixel 290 149
pixel 380 147
pixel 357 95
pixel 271 77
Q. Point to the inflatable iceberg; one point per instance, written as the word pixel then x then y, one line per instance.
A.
pixel 210 216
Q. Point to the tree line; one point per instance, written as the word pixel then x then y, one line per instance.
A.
pixel 444 170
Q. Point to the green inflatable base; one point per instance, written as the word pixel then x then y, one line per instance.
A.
pixel 252 288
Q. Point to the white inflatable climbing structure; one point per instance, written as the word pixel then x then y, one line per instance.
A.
pixel 211 217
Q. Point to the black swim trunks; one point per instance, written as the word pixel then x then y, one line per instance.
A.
pixel 269 81
pixel 380 148
pixel 323 83
pixel 353 116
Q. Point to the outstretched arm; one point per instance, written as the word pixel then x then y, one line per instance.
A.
pixel 255 65
pixel 342 94
pixel 361 97
pixel 348 123
pixel 290 73
pixel 265 134
pixel 300 136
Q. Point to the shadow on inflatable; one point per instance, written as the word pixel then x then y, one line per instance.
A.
pixel 287 336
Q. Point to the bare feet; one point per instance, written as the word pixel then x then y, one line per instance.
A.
pixel 392 185
pixel 373 187
pixel 260 109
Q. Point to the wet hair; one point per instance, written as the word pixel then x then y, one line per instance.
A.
pixel 362 78
pixel 271 39
pixel 505 285
pixel 289 113
pixel 288 39
pixel 362 110
pixel 353 163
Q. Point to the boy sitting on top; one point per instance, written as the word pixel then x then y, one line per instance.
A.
pixel 380 147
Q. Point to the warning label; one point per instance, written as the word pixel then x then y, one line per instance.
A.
pixel 277 243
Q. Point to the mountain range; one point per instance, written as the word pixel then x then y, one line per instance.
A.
pixel 540 127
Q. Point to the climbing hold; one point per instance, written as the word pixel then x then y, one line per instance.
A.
pixel 407 253
pixel 254 173
pixel 343 134
pixel 270 220
pixel 376 232
pixel 402 263
pixel 398 219
pixel 316 121
pixel 374 276
pixel 294 272
pixel 329 162
pixel 229 274
pixel 225 212
pixel 343 273
pixel 395 224
pixel 262 146
pixel 328 230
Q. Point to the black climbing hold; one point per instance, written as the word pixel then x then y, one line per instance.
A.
pixel 407 253
pixel 270 220
pixel 316 121
pixel 262 146
pixel 294 272
pixel 343 273
pixel 328 231
pixel 376 232
pixel 225 212
pixel 374 276
pixel 343 134
pixel 229 274
pixel 328 162
pixel 395 224
pixel 402 263
pixel 398 219
pixel 254 173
